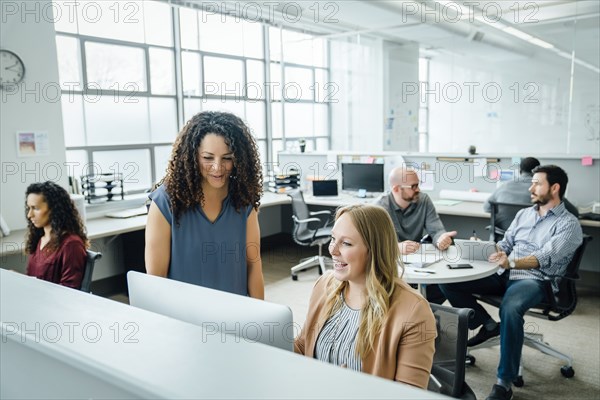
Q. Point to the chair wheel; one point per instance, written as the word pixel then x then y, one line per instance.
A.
pixel 294 277
pixel 470 360
pixel 567 372
pixel 518 381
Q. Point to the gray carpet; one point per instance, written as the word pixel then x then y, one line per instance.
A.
pixel 577 335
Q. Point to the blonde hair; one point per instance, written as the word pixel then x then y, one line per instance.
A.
pixel 375 228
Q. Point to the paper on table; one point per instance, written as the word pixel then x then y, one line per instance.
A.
pixel 425 256
pixel 444 202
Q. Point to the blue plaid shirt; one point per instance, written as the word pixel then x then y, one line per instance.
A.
pixel 552 239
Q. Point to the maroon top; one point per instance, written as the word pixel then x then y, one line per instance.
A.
pixel 64 266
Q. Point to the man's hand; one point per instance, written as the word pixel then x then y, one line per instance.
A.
pixel 408 247
pixel 445 240
pixel 499 258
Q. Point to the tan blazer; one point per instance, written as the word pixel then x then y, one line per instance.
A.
pixel 404 349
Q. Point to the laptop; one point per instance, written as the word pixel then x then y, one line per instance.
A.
pixel 325 188
pixel 474 250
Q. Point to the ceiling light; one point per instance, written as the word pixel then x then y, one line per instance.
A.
pixel 518 33
pixel 541 43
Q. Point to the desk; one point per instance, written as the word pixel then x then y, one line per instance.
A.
pixel 452 216
pixel 103 227
pixel 78 345
pixel 443 274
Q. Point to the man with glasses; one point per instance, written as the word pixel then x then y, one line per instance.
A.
pixel 413 213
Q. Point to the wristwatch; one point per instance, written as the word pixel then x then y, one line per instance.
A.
pixel 512 264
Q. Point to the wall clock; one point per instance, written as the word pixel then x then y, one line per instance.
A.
pixel 12 69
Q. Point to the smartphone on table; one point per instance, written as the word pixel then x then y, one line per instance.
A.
pixel 459 266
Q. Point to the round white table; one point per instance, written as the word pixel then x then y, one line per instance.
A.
pixel 439 272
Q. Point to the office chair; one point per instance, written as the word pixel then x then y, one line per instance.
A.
pixel 309 231
pixel 500 226
pixel 557 307
pixel 448 369
pixel 90 262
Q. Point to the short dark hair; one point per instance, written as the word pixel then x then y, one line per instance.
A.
pixel 528 164
pixel 554 174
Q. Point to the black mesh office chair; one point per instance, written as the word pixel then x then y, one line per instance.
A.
pixel 90 262
pixel 448 370
pixel 310 229
pixel 558 306
pixel 501 216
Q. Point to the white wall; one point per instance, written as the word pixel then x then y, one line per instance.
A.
pixel 531 114
pixel 33 106
pixel 356 116
pixel 401 112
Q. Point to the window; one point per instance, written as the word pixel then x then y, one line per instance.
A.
pixel 119 102
pixel 129 84
pixel 423 106
pixel 299 95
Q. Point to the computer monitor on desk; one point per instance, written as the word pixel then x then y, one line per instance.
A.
pixel 505 175
pixel 362 177
pixel 217 312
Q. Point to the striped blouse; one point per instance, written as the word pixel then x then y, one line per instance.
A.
pixel 336 342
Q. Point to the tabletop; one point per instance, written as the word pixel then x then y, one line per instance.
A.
pixel 438 272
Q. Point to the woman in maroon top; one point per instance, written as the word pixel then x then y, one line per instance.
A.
pixel 56 239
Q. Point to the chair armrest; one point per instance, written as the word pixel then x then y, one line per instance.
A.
pixel 324 212
pixel 306 220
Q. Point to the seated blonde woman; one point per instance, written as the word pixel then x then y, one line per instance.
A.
pixel 363 316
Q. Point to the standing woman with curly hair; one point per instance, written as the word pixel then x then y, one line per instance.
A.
pixel 363 316
pixel 202 223
pixel 56 239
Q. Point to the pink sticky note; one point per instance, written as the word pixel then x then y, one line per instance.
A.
pixel 493 174
pixel 586 161
pixel 370 160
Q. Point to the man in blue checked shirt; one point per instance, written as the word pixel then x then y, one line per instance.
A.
pixel 540 242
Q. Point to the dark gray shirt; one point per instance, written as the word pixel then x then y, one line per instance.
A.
pixel 414 219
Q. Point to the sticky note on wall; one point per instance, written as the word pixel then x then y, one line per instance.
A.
pixel 586 161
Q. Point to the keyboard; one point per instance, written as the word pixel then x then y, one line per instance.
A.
pixel 131 212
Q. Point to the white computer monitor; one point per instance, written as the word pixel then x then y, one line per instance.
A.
pixel 231 316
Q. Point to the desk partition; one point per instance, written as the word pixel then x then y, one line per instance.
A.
pixel 62 343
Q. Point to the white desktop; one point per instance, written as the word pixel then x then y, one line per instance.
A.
pixel 231 316
pixel 62 343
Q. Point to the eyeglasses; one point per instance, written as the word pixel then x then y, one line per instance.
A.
pixel 413 187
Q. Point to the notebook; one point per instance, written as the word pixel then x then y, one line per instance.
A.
pixel 325 188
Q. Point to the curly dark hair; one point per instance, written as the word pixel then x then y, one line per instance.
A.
pixel 64 217
pixel 183 179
